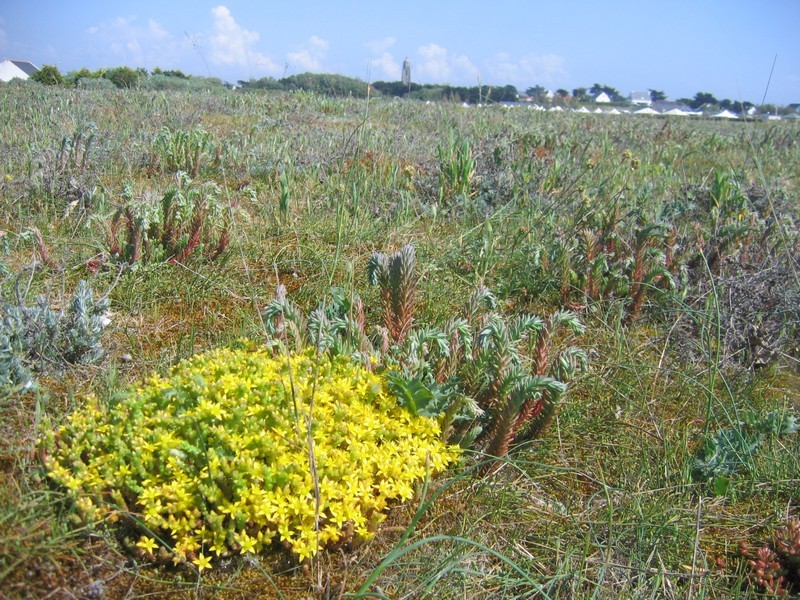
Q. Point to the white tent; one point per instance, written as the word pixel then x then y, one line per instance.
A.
pixel 583 109
pixel 555 108
pixel 725 114
pixel 676 112
pixel 646 111
pixel 614 111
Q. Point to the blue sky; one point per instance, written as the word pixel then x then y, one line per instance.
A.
pixel 680 47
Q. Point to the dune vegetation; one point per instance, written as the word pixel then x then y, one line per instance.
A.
pixel 259 343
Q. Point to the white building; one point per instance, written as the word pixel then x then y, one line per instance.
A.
pixel 641 98
pixel 16 69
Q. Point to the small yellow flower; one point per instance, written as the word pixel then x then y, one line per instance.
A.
pixel 148 495
pixel 147 544
pixel 217 549
pixel 202 562
pixel 153 512
pixel 247 543
pixel 123 471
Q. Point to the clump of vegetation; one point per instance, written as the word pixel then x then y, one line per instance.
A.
pixel 456 169
pixel 491 381
pixel 732 449
pixel 776 566
pixel 327 84
pixel 189 218
pixel 35 339
pixel 237 449
pixel 48 75
pixel 181 150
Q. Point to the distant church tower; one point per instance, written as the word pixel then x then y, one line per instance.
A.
pixel 405 78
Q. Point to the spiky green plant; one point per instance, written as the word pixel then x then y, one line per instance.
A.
pixel 397 277
pixel 188 217
pixel 75 149
pixel 174 151
pixel 647 266
pixel 456 168
pixel 521 391
pixel 490 381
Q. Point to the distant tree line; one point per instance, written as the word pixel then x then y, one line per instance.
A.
pixel 340 85
pixel 321 83
pixel 702 99
pixel 436 92
pixel 540 94
pixel 125 78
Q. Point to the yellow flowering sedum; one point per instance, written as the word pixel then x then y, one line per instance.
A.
pixel 215 456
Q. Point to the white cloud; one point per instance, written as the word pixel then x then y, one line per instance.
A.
pixel 233 45
pixel 309 57
pixel 437 65
pixel 386 67
pixel 133 43
pixel 384 64
pixel 434 64
pixel 531 69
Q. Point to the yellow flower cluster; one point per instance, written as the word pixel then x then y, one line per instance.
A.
pixel 215 456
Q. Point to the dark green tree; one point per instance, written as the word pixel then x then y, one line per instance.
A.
pixel 73 76
pixel 701 98
pixel 172 73
pixel 325 83
pixel 507 93
pixel 580 93
pixel 123 77
pixel 48 75
pixel 657 95
pixel 395 88
pixel 537 93
pixel 510 93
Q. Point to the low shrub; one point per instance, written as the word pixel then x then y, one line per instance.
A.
pixel 238 448
pixel 34 339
